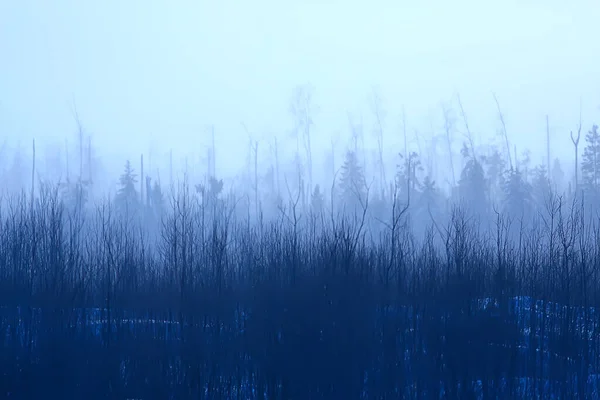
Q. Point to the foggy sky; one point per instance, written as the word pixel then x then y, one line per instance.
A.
pixel 157 73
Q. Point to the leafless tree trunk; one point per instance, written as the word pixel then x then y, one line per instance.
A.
pixel 379 115
pixel 67 159
pixel 468 130
pixel 33 176
pixel 548 145
pixel 575 140
pixel 142 181
pixel 448 125
pixel 502 122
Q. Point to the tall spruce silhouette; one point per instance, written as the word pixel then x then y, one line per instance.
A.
pixel 472 185
pixel 127 198
pixel 541 187
pixel 590 165
pixel 352 186
pixel 517 194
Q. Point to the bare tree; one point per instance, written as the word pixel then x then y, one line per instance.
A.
pixel 467 129
pixel 504 132
pixel 303 109
pixel 548 145
pixel 575 140
pixel 448 127
pixel 379 119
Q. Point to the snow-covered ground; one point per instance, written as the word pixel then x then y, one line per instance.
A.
pixel 23 329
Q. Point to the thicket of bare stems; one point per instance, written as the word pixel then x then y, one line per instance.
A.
pixel 94 308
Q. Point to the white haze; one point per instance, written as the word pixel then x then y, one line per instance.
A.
pixel 148 76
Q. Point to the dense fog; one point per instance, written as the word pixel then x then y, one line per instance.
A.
pixel 322 200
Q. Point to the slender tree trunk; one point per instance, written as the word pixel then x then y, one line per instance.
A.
pixel 277 167
pixel 256 205
pixel 171 167
pixel 33 177
pixel 214 152
pixel 548 144
pixel 142 178
pixel 67 157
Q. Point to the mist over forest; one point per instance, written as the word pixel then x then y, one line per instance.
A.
pixel 310 201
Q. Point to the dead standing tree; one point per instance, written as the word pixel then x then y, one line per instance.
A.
pixel 253 148
pixel 468 133
pixel 275 150
pixel 358 136
pixel 448 125
pixel 548 144
pixel 82 186
pixel 575 140
pixel 142 197
pixel 378 131
pixel 504 133
pixel 212 154
pixel 302 108
pixel 33 177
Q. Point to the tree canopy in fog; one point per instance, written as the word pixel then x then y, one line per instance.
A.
pixel 299 201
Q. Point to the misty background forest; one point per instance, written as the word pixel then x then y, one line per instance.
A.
pixel 364 279
pixel 310 200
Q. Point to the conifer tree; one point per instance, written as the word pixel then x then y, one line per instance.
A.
pixel 352 183
pixel 430 201
pixel 472 186
pixel 126 199
pixel 317 201
pixel 517 194
pixel 540 187
pixel 157 198
pixel 408 174
pixel 590 166
pixel 495 166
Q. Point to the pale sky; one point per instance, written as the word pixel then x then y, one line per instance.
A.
pixel 160 72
